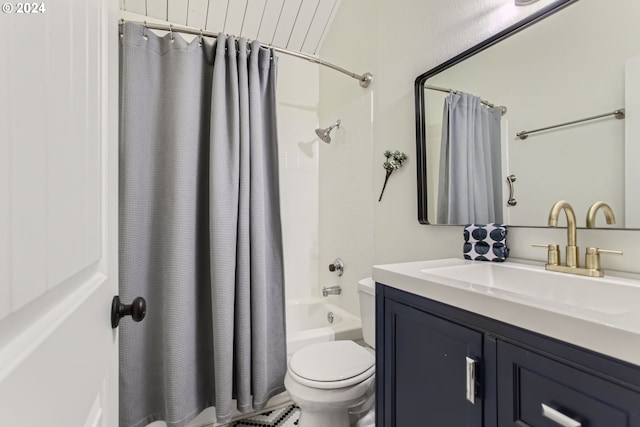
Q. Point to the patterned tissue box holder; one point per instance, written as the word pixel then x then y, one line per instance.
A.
pixel 485 242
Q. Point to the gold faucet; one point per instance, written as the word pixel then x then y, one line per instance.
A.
pixel 592 255
pixel 593 210
pixel 572 248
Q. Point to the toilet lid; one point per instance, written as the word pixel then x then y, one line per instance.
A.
pixel 331 361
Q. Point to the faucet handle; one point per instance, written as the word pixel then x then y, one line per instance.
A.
pixel 592 257
pixel 337 266
pixel 607 251
pixel 553 252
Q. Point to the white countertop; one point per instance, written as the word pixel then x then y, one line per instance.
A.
pixel 615 335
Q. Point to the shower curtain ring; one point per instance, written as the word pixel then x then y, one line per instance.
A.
pixel 144 31
pixel 200 42
pixel 171 31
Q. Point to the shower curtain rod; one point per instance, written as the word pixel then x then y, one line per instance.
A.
pixel 364 79
pixel 485 102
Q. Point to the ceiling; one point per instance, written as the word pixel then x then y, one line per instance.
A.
pixel 298 25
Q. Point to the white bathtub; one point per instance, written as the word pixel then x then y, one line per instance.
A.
pixel 308 322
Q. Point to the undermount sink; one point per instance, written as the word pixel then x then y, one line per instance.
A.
pixel 529 284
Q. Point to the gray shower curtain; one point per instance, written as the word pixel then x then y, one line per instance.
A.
pixel 470 184
pixel 200 231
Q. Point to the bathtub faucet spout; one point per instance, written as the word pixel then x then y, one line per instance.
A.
pixel 331 290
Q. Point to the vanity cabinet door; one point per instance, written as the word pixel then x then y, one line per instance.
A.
pixel 536 391
pixel 427 363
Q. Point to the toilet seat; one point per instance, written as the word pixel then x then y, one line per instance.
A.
pixel 331 365
pixel 333 384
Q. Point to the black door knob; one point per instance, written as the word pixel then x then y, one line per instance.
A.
pixel 137 310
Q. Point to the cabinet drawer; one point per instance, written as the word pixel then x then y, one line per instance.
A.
pixel 536 391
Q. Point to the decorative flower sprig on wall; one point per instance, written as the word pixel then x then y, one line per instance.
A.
pixel 395 159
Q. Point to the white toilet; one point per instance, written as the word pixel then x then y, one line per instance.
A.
pixel 327 379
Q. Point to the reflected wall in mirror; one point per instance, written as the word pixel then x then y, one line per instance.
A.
pixel 571 60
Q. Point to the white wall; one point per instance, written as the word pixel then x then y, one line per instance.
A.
pixel 397 41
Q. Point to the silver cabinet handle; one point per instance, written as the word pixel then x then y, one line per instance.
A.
pixel 512 201
pixel 471 380
pixel 558 417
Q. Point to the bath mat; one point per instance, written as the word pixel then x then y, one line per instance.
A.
pixel 283 417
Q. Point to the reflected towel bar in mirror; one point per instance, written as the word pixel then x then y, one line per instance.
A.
pixel 618 114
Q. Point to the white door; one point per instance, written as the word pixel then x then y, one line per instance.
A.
pixel 58 213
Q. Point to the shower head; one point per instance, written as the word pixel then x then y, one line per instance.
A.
pixel 324 134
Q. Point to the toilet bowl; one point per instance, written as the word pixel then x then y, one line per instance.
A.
pixel 327 379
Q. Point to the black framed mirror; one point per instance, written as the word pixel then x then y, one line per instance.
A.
pixel 539 90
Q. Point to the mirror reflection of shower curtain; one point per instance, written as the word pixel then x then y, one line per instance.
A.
pixel 469 188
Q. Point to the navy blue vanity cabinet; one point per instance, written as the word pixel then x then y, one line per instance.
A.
pixel 430 370
pixel 521 378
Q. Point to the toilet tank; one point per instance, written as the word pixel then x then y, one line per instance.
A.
pixel 367 294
